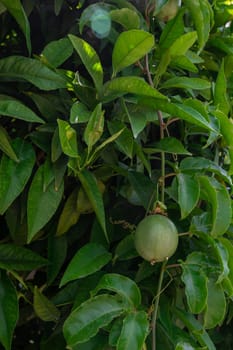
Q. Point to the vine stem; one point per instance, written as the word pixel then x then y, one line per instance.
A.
pixel 161 123
pixel 156 306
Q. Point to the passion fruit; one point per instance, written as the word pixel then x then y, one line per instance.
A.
pixel 156 238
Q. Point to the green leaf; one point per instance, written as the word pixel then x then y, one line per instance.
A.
pixel 44 308
pixel 181 45
pixel 5 145
pixel 220 91
pixel 13 257
pixel 22 68
pixel 89 259
pixel 134 331
pixel 202 15
pixel 42 202
pixel 129 85
pixel 195 286
pixel 85 321
pixel 8 310
pixel 57 52
pixel 216 305
pixel 129 19
pixel 57 6
pixel 14 176
pixel 130 47
pixel 143 186
pixel 79 113
pixel 57 249
pixel 17 11
pixel 125 140
pixel 94 194
pixel 188 193
pixel 195 328
pixel 13 108
pixel 229 248
pixel 220 201
pixel 68 138
pixel 90 60
pixel 201 165
pixel 172 31
pixel 186 83
pixel 168 145
pixel 95 127
pixel 69 215
pixel 121 285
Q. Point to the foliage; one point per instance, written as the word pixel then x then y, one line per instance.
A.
pixel 110 111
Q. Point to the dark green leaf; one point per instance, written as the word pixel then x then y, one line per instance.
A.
pixel 216 305
pixel 79 113
pixel 14 176
pixel 186 83
pixel 89 259
pixel 144 188
pixel 221 100
pixel 13 108
pixel 134 331
pixel 195 287
pixel 5 145
pixel 130 47
pixel 94 194
pixel 17 11
pixel 85 321
pixel 8 310
pixel 13 257
pixel 220 201
pixel 168 145
pixel 188 193
pixel 125 140
pixel 121 285
pixel 42 203
pixel 57 249
pixel 95 127
pixel 129 19
pixel 23 68
pixel 172 31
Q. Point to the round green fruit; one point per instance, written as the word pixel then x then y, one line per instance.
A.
pixel 156 238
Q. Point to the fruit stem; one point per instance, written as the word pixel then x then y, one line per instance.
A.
pixel 156 306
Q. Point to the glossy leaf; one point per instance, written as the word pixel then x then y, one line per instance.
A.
pixel 168 145
pixel 188 193
pixel 133 85
pixel 121 285
pixel 219 198
pixel 13 108
pixel 13 257
pixel 14 176
pixel 90 185
pixel 79 113
pixel 216 305
pixel 17 11
pixel 195 286
pixel 134 331
pixel 57 52
pixel 201 165
pixel 69 215
pixel 44 308
pixel 90 60
pixel 9 310
pixel 196 329
pixel 68 138
pixel 125 140
pixel 181 45
pixel 95 127
pixel 143 186
pixel 129 19
pixel 42 203
pixel 130 46
pixel 23 68
pixel 172 31
pixel 85 321
pixel 5 145
pixel 202 15
pixel 186 83
pixel 57 249
pixel 229 248
pixel 89 259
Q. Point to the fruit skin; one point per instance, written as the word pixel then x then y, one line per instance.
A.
pixel 168 11
pixel 156 238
